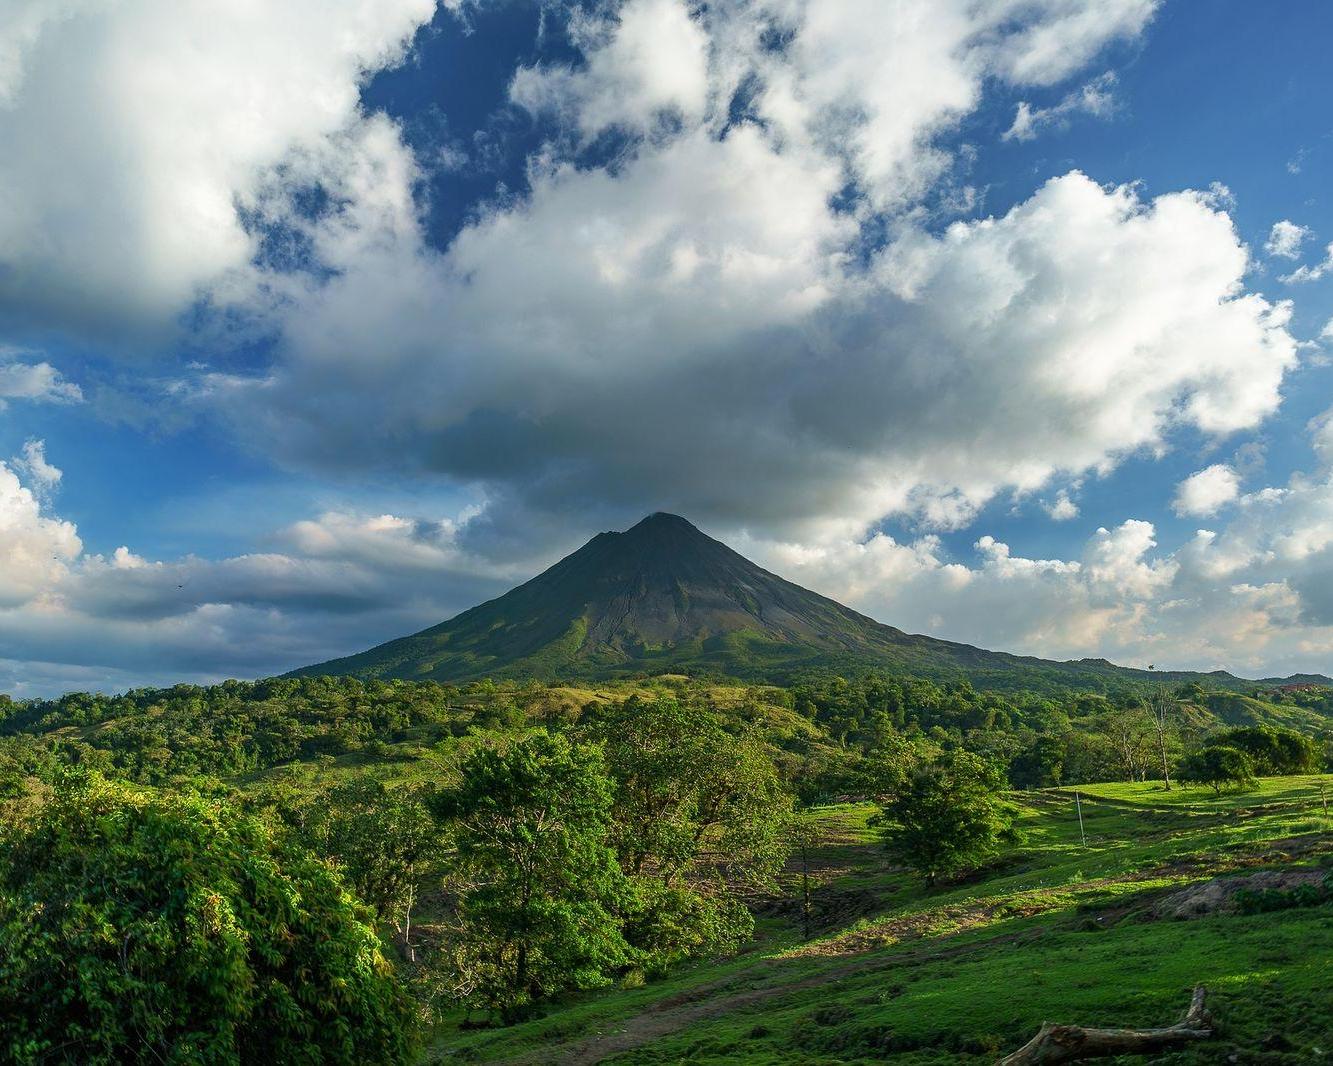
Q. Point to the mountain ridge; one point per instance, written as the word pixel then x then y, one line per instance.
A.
pixel 663 596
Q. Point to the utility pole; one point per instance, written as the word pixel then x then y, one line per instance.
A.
pixel 1079 807
pixel 805 890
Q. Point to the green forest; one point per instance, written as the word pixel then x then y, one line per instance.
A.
pixel 332 870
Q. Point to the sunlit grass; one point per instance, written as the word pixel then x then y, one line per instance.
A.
pixel 1059 929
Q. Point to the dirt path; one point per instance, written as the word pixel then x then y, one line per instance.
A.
pixel 673 1013
pixel 676 1012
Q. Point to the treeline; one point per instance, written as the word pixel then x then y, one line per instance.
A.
pixel 1042 741
pixel 236 727
pixel 824 731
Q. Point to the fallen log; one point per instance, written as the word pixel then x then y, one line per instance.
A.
pixel 1068 1043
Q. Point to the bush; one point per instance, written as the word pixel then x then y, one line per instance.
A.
pixel 141 927
pixel 1264 901
pixel 665 925
pixel 1272 749
pixel 1218 767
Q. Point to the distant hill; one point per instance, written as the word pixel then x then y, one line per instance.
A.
pixel 664 596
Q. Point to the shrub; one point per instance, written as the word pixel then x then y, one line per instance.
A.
pixel 1218 767
pixel 1272 749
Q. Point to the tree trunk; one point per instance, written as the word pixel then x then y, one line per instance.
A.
pixel 1160 705
pixel 521 967
pixel 407 925
pixel 1069 1043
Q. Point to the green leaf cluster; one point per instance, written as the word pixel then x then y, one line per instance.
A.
pixel 138 926
pixel 537 885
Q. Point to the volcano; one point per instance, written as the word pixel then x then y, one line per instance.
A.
pixel 665 597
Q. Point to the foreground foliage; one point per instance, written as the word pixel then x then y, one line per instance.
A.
pixel 529 849
pixel 139 927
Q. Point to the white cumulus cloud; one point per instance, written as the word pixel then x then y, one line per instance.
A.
pixel 1205 492
pixel 133 131
pixel 1062 508
pixel 1307 272
pixel 38 382
pixel 650 57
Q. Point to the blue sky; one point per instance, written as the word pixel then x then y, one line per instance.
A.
pixel 318 325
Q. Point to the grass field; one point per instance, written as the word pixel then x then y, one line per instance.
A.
pixel 1060 929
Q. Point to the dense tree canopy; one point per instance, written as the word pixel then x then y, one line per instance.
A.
pixel 1272 749
pixel 383 839
pixel 692 799
pixel 154 927
pixel 699 814
pixel 1218 766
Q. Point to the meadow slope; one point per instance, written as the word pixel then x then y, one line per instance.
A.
pixel 1058 930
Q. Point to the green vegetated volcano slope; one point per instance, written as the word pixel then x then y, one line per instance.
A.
pixel 664 596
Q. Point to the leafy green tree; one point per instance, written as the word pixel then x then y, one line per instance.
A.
pixel 382 838
pixel 537 884
pixel 665 924
pixel 1041 764
pixel 700 812
pixel 693 800
pixel 1218 767
pixel 147 928
pixel 947 816
pixel 1272 749
pixel 887 765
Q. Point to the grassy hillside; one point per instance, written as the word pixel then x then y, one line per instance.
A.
pixel 1058 930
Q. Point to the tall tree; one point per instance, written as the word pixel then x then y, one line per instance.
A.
pixel 693 799
pixel 947 816
pixel 537 884
pixel 1129 729
pixel 700 812
pixel 382 838
pixel 1162 709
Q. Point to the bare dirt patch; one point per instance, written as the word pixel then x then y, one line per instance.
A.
pixel 1219 896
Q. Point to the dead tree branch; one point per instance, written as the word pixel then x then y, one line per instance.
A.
pixel 1069 1043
